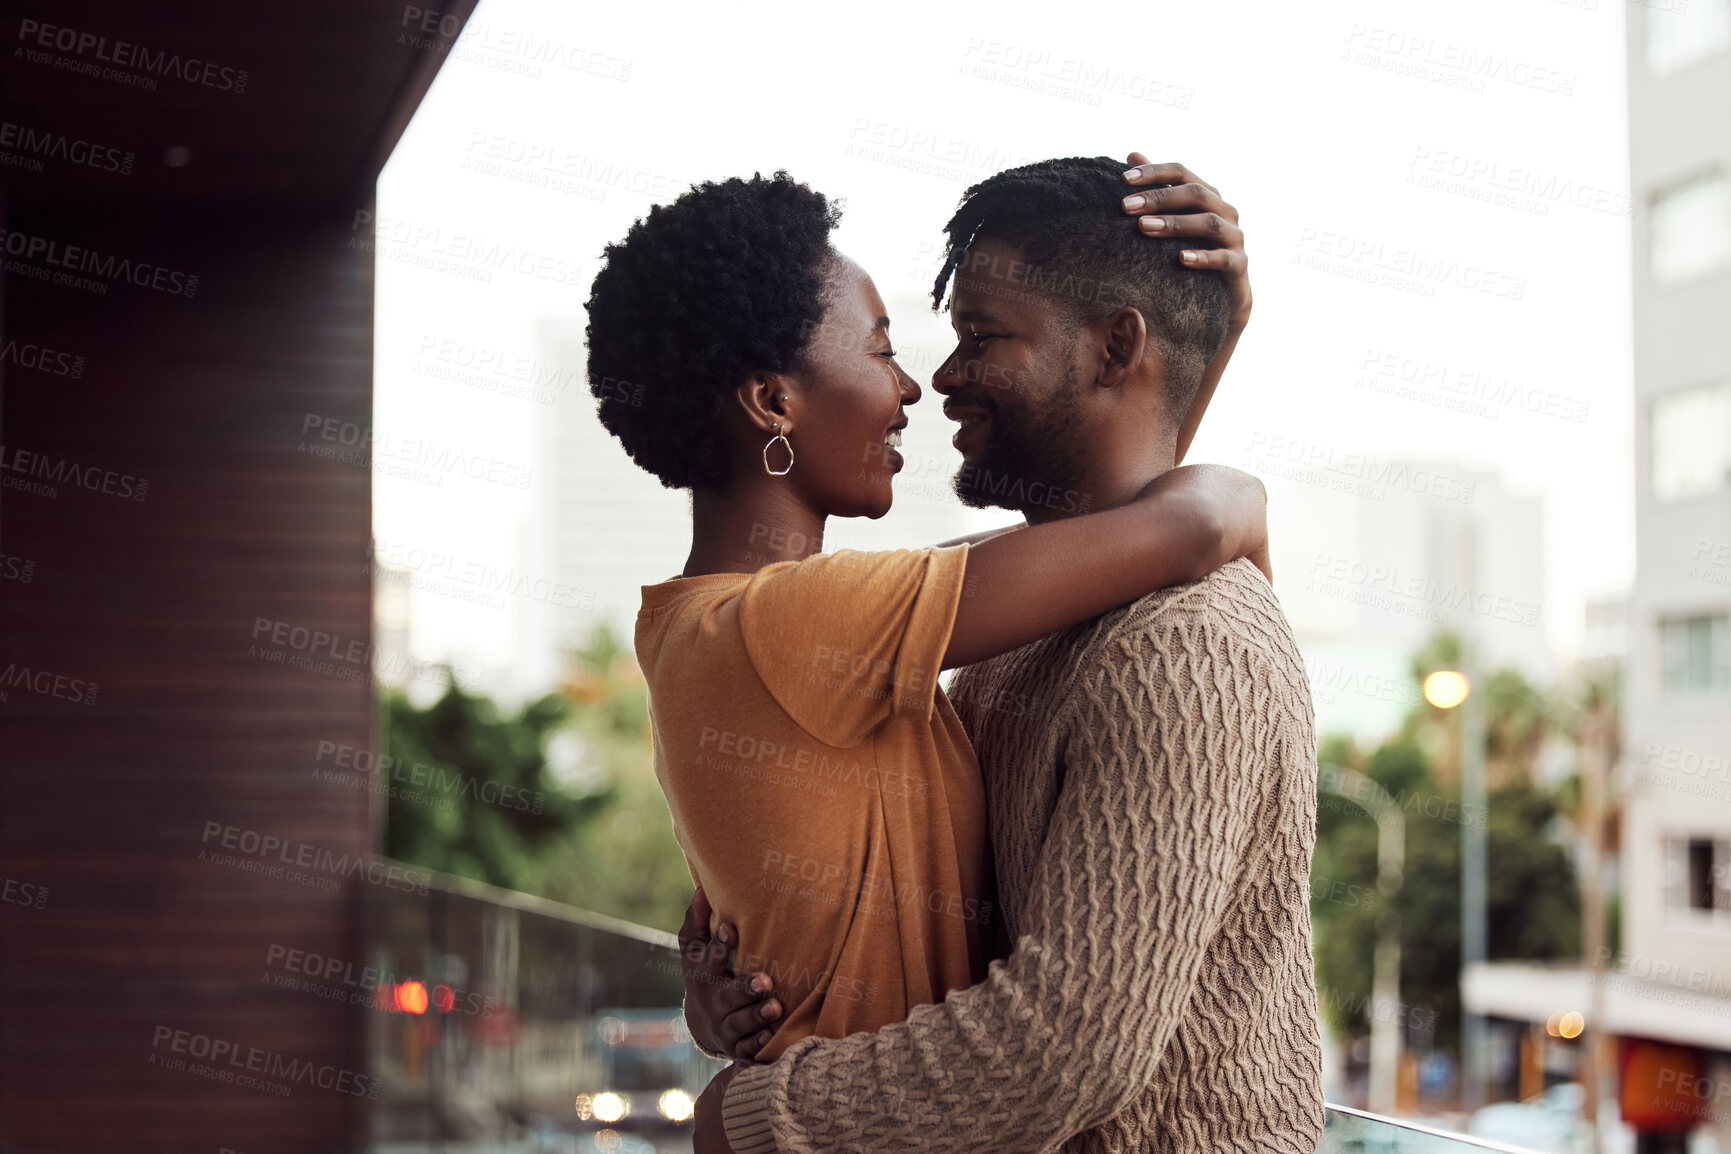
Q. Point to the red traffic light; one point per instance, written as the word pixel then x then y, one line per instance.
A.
pixel 410 997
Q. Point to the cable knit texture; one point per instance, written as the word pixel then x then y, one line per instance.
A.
pixel 1152 784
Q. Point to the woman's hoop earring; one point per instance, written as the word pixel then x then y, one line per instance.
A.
pixel 785 469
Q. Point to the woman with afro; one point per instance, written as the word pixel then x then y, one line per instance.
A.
pixel 821 785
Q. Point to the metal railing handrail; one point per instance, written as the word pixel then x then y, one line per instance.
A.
pixel 1432 1131
pixel 545 907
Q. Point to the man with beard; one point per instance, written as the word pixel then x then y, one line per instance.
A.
pixel 1151 774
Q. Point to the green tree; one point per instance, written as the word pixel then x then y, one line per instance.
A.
pixel 1532 895
pixel 558 799
pixel 628 864
pixel 470 792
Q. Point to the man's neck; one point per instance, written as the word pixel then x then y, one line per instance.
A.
pixel 1113 479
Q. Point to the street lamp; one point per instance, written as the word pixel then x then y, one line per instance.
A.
pixel 1448 689
pixel 1386 1019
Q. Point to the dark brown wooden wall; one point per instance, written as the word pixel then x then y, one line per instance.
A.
pixel 113 929
pixel 155 601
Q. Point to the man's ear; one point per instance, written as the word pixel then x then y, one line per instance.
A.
pixel 769 400
pixel 1126 347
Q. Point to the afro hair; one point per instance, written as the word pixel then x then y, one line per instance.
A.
pixel 726 281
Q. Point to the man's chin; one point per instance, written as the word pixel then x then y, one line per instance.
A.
pixel 976 496
pixel 972 482
pixel 974 499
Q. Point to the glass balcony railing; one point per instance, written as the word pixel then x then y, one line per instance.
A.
pixel 511 1025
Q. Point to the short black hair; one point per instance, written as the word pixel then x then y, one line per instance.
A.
pixel 726 281
pixel 1066 220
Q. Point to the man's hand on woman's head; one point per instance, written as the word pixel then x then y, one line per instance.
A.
pixel 1176 202
pixel 727 1012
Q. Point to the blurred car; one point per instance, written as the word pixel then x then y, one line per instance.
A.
pixel 651 1074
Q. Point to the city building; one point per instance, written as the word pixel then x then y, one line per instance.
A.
pixel 599 526
pixel 1665 989
pixel 1373 557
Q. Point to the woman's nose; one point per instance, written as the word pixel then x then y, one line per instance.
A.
pixel 910 388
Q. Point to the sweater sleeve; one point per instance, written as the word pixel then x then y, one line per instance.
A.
pixel 1172 737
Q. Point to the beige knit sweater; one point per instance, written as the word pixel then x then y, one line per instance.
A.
pixel 1152 784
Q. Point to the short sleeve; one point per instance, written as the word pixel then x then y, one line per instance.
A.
pixel 846 640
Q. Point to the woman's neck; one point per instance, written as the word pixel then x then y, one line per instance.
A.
pixel 750 525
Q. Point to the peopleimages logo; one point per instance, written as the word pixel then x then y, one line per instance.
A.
pixel 1512 186
pixel 72 259
pixel 47 683
pixel 1407 269
pixel 1386 587
pixel 229 1061
pixel 34 34
pixel 340 980
pixel 257 848
pixel 23 893
pixel 1310 460
pixel 468 255
pixel 1452 65
pixel 41 359
pixel 27 147
pixel 420 774
pixel 96 479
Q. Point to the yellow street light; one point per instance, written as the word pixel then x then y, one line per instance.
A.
pixel 1446 688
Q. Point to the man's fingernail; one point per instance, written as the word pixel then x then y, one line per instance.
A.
pixel 771 1012
pixel 725 933
pixel 1132 174
pixel 759 985
pixel 1192 257
pixel 1135 202
pixel 1153 223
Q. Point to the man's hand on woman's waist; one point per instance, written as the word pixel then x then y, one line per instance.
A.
pixel 728 1013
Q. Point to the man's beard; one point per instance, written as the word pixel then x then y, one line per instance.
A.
pixel 1031 457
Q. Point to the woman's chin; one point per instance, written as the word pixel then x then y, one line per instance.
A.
pixel 878 502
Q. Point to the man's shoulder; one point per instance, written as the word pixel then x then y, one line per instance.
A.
pixel 1233 611
pixel 1237 593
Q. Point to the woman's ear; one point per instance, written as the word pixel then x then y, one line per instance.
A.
pixel 769 401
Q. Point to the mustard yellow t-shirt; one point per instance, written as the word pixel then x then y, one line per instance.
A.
pixel 822 787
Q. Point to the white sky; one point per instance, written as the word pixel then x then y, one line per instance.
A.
pixel 1278 104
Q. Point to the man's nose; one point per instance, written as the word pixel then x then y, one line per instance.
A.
pixel 948 376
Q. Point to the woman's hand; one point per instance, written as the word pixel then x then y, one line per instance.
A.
pixel 1170 200
pixel 1181 527
pixel 727 1013
pixel 1176 202
pixel 1237 505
